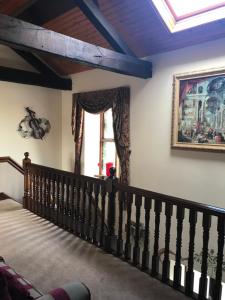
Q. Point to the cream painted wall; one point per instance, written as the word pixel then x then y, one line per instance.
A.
pixel 193 175
pixel 46 103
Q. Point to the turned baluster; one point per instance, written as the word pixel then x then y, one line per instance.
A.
pixel 166 261
pixel 67 204
pixel 136 250
pixel 41 194
pixel 96 192
pixel 177 267
pixel 189 282
pixel 89 227
pixel 145 253
pixel 127 253
pixel 62 198
pixel 58 199
pixel 48 178
pixel 155 257
pixel 110 187
pixel 203 280
pixel 53 215
pixel 217 289
pixel 120 229
pixel 102 234
pixel 45 195
pixel 83 215
pixel 32 196
pixel 77 220
pixel 72 219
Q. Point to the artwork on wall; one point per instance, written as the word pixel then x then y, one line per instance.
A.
pixel 199 111
pixel 31 126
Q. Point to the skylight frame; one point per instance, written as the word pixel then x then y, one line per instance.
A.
pixel 194 12
pixel 175 25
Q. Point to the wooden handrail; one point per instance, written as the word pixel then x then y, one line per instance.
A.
pixel 83 205
pixel 12 162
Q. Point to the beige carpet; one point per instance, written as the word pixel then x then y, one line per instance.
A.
pixel 50 257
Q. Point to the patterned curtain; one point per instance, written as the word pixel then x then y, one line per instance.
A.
pixel 97 102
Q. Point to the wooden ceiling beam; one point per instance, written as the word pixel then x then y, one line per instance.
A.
pixel 31 78
pixel 29 37
pixel 35 61
pixel 92 12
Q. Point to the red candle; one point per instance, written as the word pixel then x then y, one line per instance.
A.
pixel 108 166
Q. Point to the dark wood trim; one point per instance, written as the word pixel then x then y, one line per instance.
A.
pixel 3 196
pixel 26 77
pixel 92 12
pixel 29 37
pixel 36 62
pixel 13 163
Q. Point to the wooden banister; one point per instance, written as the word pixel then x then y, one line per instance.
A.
pixel 83 205
pixel 12 162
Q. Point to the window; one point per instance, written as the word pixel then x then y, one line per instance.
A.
pixel 182 14
pixel 107 153
pixel 99 146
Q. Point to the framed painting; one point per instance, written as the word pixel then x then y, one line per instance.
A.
pixel 199 110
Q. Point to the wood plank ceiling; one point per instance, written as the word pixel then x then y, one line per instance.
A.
pixel 136 21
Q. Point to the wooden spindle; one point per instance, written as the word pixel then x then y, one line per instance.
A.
pixel 145 253
pixel 89 227
pixel 120 228
pixel 177 267
pixel 72 223
pixel 78 196
pixel 217 289
pixel 41 194
pixel 83 215
pixel 155 257
pixel 166 261
pixel 48 178
pixel 57 199
pixel 33 178
pixel 96 192
pixel 127 253
pixel 136 251
pixel 110 187
pixel 189 282
pixel 62 201
pixel 203 280
pixel 45 195
pixel 66 203
pixel 53 214
pixel 102 234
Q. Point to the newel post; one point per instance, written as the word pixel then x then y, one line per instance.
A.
pixel 26 163
pixel 111 190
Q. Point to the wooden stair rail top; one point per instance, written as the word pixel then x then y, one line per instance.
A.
pixel 13 163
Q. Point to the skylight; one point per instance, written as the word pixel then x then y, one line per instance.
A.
pixel 182 14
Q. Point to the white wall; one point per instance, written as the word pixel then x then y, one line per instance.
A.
pixel 46 103
pixel 197 176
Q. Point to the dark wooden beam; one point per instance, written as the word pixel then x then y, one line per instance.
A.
pixel 29 37
pixel 25 77
pixel 92 12
pixel 37 63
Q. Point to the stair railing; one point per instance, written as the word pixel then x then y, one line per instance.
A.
pixel 136 220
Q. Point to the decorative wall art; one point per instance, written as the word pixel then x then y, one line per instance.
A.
pixel 34 127
pixel 199 111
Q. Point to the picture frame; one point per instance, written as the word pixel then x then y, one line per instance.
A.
pixel 198 117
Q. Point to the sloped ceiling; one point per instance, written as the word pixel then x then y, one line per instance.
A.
pixel 137 22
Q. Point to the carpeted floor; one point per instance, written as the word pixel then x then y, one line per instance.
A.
pixel 50 257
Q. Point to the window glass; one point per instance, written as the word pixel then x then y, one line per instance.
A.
pixel 108 155
pixel 108 125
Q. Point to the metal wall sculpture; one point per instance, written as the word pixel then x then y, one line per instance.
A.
pixel 34 127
